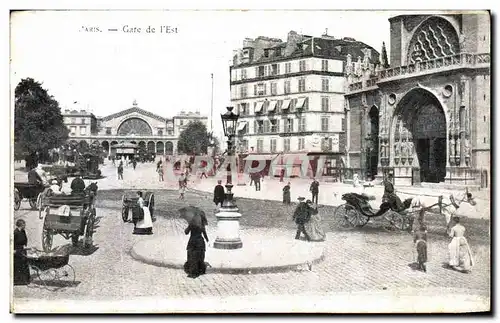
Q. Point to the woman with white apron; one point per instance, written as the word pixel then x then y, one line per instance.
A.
pixel 142 220
pixel 459 250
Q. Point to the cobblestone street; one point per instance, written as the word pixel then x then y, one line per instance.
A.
pixel 367 260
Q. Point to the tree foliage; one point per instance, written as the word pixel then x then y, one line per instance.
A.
pixel 193 139
pixel 38 123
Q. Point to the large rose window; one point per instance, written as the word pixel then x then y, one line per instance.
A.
pixel 435 38
pixel 135 126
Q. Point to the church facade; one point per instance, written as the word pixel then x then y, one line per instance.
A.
pixel 426 117
pixel 157 134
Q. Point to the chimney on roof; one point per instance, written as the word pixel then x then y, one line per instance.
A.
pixel 82 111
pixel 67 111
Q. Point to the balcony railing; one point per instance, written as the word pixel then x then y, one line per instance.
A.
pixel 425 67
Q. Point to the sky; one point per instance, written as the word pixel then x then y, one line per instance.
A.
pixel 104 72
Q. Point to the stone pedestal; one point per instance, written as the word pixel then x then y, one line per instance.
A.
pixel 228 224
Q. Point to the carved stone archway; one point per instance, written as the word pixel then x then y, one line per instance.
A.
pixel 419 137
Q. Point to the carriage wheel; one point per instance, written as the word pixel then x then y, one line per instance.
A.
pixel 44 276
pixel 66 274
pixel 346 216
pixel 47 239
pixel 125 211
pixel 396 220
pixel 17 201
pixel 355 218
pixel 39 200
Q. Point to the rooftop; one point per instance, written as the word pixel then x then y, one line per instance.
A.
pixel 264 49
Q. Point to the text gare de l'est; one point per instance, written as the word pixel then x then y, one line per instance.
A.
pixel 162 29
pixel 129 29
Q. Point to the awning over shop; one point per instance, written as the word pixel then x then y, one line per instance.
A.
pixel 292 159
pixel 260 157
pixel 258 107
pixel 272 106
pixel 294 165
pixel 241 125
pixel 286 104
pixel 300 103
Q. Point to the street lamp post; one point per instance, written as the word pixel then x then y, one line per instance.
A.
pixel 229 120
pixel 228 217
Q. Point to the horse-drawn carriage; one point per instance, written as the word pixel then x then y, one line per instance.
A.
pixel 27 191
pixel 69 216
pixel 357 212
pixel 86 165
pixel 129 203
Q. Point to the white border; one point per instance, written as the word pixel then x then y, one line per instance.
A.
pixel 96 4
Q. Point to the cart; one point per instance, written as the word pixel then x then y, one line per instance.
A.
pixel 51 266
pixel 79 221
pixel 129 202
pixel 356 212
pixel 27 191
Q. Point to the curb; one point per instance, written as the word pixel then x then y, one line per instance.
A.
pixel 251 270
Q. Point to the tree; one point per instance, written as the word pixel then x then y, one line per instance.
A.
pixel 38 123
pixel 193 139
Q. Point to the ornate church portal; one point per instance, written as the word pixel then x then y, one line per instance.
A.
pixel 419 141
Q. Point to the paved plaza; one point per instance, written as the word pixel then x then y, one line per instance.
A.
pixel 371 267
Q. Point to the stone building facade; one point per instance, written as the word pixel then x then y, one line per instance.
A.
pixel 157 134
pixel 290 96
pixel 426 118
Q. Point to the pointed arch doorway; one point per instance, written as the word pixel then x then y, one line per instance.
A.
pixel 419 136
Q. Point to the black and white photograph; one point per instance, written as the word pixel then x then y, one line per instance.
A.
pixel 250 161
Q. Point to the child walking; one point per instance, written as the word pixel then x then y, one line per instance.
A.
pixel 420 241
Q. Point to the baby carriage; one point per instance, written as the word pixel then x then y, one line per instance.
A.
pixel 51 268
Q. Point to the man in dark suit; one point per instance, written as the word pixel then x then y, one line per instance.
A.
pixel 219 193
pixel 314 191
pixel 301 216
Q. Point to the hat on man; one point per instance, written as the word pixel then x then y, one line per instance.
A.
pixel 301 198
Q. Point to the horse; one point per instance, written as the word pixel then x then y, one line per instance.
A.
pixel 446 205
pixel 91 189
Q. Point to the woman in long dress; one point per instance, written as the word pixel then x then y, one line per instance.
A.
pixel 144 225
pixel 21 267
pixel 286 194
pixel 195 264
pixel 313 226
pixel 460 254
